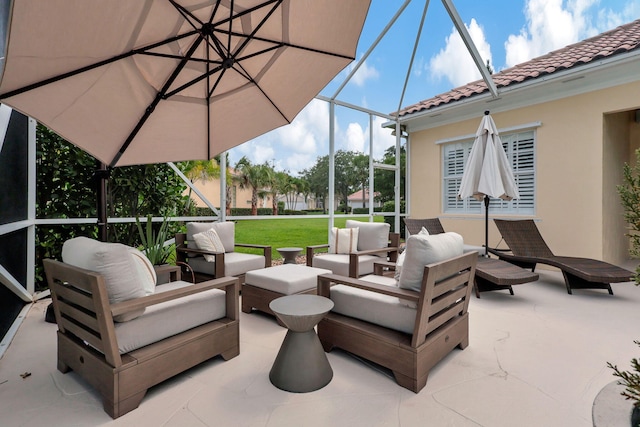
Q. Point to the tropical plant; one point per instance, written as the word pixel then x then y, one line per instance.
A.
pixel 629 193
pixel 199 170
pixel 253 177
pixel 154 243
pixel 630 380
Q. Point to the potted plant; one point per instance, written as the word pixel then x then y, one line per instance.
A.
pixel 631 381
pixel 154 243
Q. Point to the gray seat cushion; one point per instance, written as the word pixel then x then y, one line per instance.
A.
pixel 169 318
pixel 339 263
pixel 384 310
pixel 235 264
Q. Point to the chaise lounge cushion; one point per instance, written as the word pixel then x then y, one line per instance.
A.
pixel 423 250
pixel 114 262
pixel 169 318
pixel 225 230
pixel 372 235
pixel 384 310
pixel 236 263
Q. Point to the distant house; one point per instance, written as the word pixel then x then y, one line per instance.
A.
pixel 239 197
pixel 360 199
pixel 569 121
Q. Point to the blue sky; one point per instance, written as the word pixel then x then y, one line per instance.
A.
pixel 506 32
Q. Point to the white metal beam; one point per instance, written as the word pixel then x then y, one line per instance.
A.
pixel 466 38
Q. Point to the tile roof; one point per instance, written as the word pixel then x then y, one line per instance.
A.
pixel 620 40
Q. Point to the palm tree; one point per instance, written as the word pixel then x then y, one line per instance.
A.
pixel 254 177
pixel 199 170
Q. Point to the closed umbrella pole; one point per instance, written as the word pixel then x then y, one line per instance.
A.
pixel 488 172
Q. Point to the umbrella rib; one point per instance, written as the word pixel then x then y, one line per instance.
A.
pixel 155 102
pixel 211 72
pixel 285 44
pixel 194 81
pixel 230 25
pixel 247 11
pixel 186 14
pixel 247 76
pixel 256 29
pixel 91 67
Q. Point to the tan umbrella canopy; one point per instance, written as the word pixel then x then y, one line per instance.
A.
pixel 148 81
pixel 488 172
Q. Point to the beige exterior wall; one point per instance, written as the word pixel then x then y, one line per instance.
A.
pixel 581 146
pixel 211 190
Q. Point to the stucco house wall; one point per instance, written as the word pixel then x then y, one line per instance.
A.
pixel 581 146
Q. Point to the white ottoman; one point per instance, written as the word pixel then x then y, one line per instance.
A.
pixel 266 284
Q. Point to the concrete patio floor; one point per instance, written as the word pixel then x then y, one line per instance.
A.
pixel 538 358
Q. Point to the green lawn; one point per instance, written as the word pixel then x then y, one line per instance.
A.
pixel 281 233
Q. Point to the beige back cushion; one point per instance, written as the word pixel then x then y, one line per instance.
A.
pixel 372 235
pixel 116 265
pixel 421 250
pixel 225 230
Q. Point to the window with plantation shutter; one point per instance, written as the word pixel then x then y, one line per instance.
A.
pixel 520 149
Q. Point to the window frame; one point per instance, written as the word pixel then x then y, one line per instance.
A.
pixel 519 141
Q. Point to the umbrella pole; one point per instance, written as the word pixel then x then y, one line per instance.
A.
pixel 486 226
pixel 101 176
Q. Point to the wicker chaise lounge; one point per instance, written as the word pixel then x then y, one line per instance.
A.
pixel 527 248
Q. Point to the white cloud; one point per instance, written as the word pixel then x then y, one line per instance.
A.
pixel 553 24
pixel 355 137
pixel 364 73
pixel 454 62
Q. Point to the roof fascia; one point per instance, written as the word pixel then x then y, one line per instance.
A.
pixel 596 75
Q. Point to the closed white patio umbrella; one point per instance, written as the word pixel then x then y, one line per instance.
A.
pixel 488 172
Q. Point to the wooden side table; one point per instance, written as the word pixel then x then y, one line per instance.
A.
pixel 289 254
pixel 301 365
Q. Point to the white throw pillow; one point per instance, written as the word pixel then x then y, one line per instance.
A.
pixel 116 265
pixel 343 240
pixel 209 241
pixel 146 273
pixel 423 250
pixel 373 235
pixel 399 263
pixel 400 260
pixel 225 230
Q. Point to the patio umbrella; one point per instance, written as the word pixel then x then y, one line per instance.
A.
pixel 488 172
pixel 150 81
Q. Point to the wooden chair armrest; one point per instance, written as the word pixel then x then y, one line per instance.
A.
pixel 173 270
pixel 379 267
pixel 231 285
pixel 251 245
pixel 311 250
pixel 326 280
pixel 184 249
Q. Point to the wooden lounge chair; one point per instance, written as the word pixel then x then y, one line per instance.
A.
pixel 439 322
pixel 375 243
pixel 491 274
pixel 527 248
pixel 121 359
pixel 225 263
